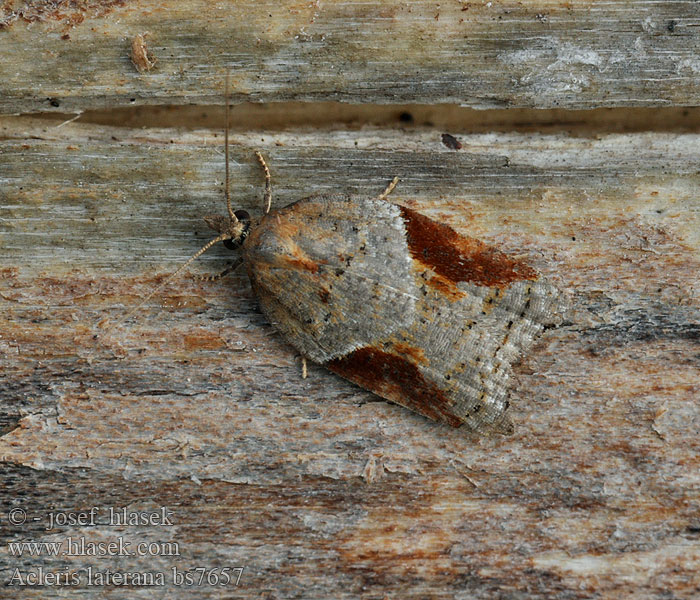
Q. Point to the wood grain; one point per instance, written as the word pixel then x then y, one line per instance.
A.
pixel 73 56
pixel 317 488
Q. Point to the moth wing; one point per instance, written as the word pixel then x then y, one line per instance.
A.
pixel 330 278
pixel 454 362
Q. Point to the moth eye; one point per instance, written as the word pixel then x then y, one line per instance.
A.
pixel 230 244
pixel 242 215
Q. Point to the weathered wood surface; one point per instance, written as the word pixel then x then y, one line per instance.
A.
pixel 73 56
pixel 317 488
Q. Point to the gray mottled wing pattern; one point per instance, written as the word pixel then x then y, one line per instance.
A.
pixel 463 352
pixel 336 270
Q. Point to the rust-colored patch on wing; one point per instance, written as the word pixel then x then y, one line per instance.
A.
pixel 282 234
pixel 395 378
pixel 460 258
pixel 301 261
pixel 415 354
pixel 442 285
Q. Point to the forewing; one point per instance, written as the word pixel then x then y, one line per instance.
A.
pixel 332 272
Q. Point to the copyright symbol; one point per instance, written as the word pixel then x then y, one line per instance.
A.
pixel 17 516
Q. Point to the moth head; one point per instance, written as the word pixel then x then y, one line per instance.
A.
pixel 233 229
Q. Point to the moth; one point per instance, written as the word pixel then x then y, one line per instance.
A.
pixel 392 300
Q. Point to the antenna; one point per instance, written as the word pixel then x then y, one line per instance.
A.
pixel 233 228
pixel 231 215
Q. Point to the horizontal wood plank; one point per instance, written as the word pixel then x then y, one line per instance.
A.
pixel 539 53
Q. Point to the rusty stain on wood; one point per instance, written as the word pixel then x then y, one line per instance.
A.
pixel 66 12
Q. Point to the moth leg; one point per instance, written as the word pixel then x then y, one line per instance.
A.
pixel 304 372
pixel 232 267
pixel 268 185
pixel 389 189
